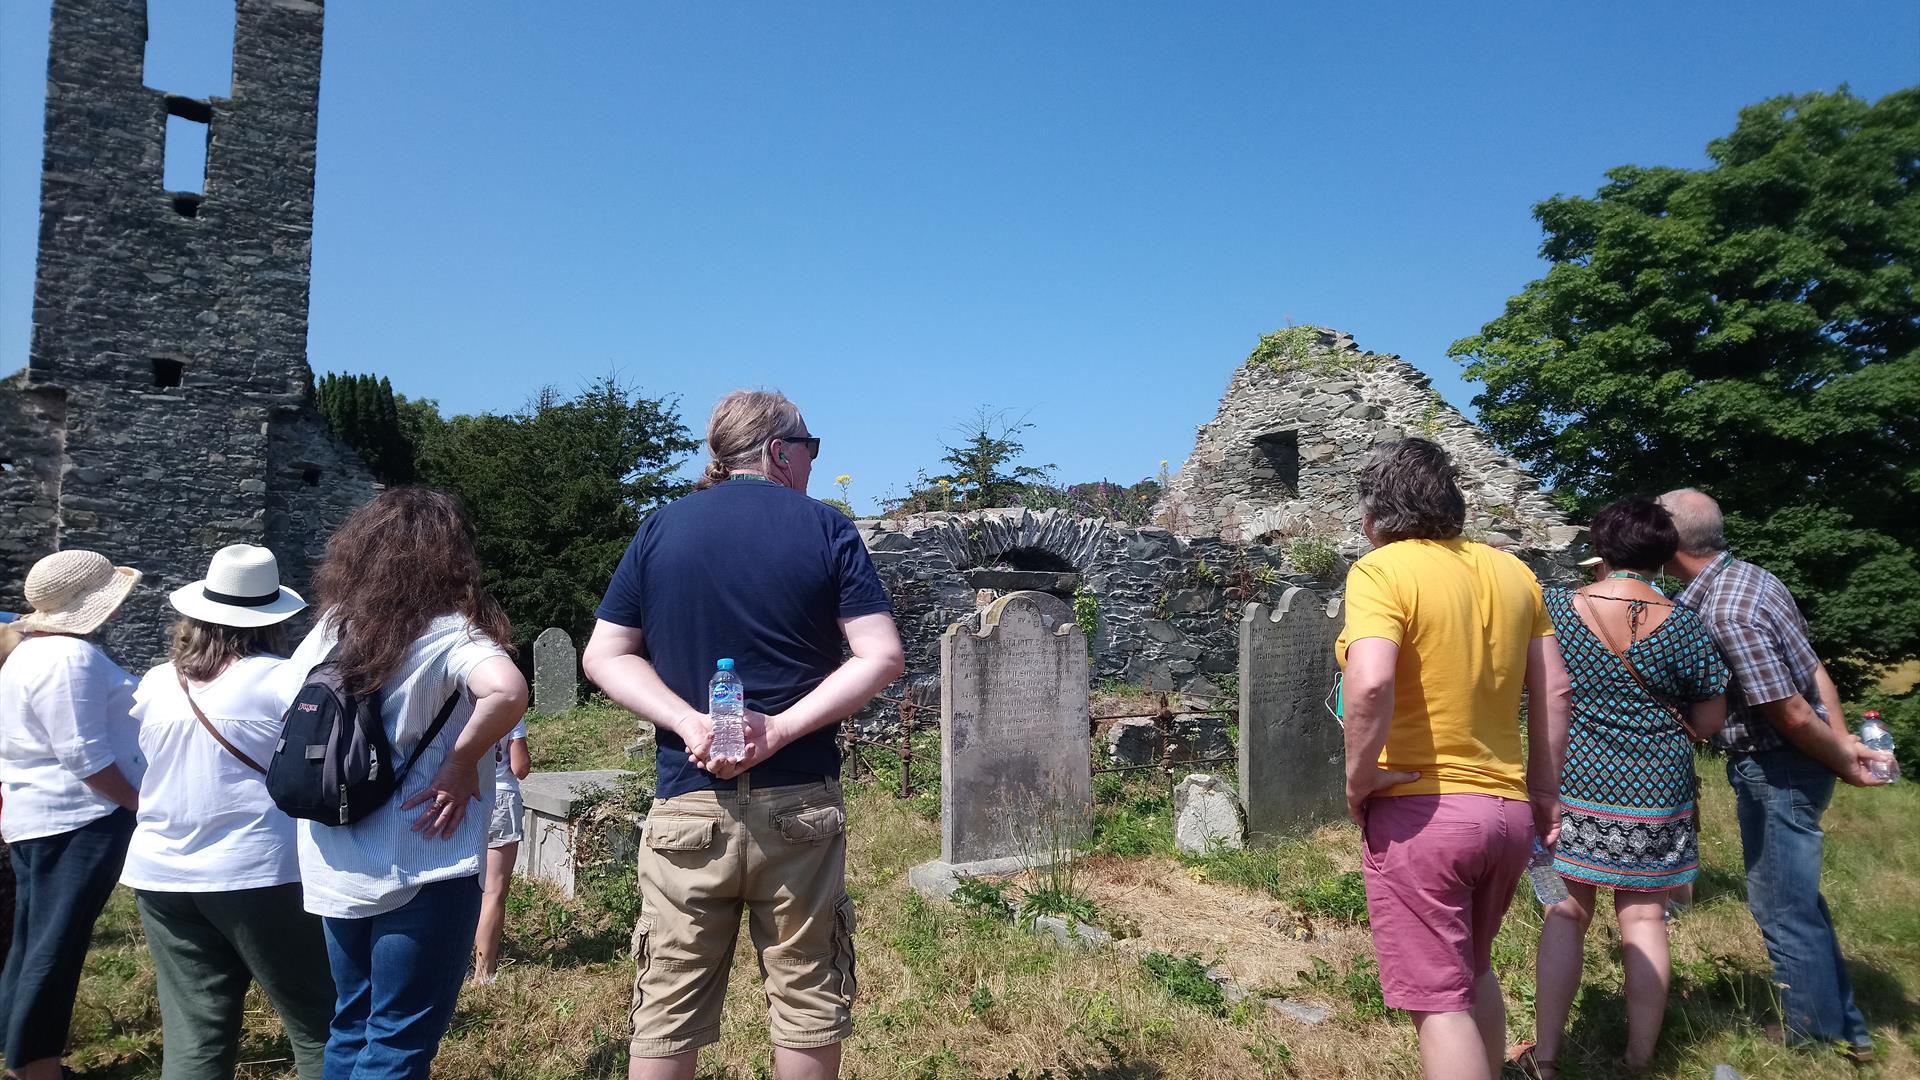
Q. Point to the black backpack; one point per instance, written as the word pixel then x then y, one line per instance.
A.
pixel 333 763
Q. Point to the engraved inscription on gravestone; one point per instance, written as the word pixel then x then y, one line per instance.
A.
pixel 1017 778
pixel 556 672
pixel 1292 774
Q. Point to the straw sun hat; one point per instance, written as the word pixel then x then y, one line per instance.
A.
pixel 242 588
pixel 73 592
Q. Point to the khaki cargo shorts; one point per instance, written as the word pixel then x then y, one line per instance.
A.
pixel 780 851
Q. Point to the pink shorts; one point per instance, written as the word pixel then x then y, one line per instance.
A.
pixel 1440 872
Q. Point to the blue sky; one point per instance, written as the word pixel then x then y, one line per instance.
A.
pixel 1084 213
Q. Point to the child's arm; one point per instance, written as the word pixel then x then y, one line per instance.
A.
pixel 518 760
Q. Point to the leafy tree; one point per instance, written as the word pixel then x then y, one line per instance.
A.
pixel 556 491
pixel 1752 329
pixel 982 470
pixel 1129 505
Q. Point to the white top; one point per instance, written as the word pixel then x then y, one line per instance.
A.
pixel 503 778
pixel 378 863
pixel 64 714
pixel 206 823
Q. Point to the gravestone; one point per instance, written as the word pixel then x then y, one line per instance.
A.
pixel 556 672
pixel 550 835
pixel 1292 758
pixel 1205 813
pixel 1016 785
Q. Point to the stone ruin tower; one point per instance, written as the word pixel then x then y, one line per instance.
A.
pixel 1277 462
pixel 166 407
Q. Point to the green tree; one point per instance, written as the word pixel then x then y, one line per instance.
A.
pixel 556 491
pixel 1752 329
pixel 982 466
pixel 362 411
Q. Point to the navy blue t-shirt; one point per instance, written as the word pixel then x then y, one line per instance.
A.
pixel 755 571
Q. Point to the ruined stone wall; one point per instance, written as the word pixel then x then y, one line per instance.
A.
pixel 1330 406
pixel 173 326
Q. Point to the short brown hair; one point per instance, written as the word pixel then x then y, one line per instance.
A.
pixel 1634 533
pixel 1411 490
pixel 202 650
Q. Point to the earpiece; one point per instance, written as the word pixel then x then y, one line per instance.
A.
pixel 783 459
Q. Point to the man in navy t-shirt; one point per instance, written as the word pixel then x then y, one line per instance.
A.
pixel 748 568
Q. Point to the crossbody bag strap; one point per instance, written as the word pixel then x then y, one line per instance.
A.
pixel 1600 628
pixel 214 731
pixel 433 732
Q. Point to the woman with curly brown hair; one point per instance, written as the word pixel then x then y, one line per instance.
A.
pixel 404 616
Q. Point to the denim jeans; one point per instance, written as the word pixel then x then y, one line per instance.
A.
pixel 62 883
pixel 398 975
pixel 1782 794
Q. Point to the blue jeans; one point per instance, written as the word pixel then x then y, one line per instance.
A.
pixel 1782 794
pixel 397 976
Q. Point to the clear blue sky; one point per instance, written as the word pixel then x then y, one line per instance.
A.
pixel 1086 213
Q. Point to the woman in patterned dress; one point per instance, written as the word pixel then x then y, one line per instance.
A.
pixel 1646 681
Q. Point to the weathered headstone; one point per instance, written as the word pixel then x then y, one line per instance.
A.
pixel 556 672
pixel 1200 738
pixel 1134 740
pixel 1205 813
pixel 1292 774
pixel 1016 786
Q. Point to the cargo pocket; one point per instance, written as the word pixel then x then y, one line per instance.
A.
pixel 642 960
pixel 678 834
pixel 812 826
pixel 843 927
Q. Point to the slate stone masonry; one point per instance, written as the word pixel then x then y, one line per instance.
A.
pixel 165 410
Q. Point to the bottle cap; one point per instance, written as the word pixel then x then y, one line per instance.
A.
pixel 1870 714
pixel 725 665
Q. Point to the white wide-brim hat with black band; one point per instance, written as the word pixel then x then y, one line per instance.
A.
pixel 242 588
pixel 73 592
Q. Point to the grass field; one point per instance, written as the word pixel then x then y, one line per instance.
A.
pixel 948 993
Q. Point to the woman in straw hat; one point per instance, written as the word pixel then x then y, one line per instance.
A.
pixel 70 766
pixel 404 616
pixel 213 862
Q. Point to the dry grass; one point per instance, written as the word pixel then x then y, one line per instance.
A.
pixel 945 995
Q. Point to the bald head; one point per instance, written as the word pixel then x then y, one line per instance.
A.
pixel 1696 517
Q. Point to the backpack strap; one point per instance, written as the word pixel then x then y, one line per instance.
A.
pixel 214 731
pixel 433 732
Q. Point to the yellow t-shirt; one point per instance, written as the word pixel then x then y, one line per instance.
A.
pixel 1463 615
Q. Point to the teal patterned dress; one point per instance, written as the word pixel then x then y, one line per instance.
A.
pixel 1627 791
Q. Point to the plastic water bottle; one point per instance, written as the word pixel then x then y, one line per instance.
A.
pixel 1548 887
pixel 726 708
pixel 1877 737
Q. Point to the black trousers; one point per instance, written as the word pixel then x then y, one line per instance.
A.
pixel 61 883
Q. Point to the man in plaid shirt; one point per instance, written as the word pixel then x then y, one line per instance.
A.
pixel 1786 741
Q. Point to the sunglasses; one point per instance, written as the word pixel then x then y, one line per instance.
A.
pixel 811 442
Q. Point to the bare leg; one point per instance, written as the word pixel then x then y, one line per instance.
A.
pixel 1557 969
pixel 1643 936
pixel 1451 1046
pixel 813 1063
pixel 493 911
pixel 1490 1016
pixel 677 1067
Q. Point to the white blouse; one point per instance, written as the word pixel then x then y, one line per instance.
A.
pixel 206 823
pixel 64 714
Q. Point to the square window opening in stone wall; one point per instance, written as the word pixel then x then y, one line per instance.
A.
pixel 168 371
pixel 310 475
pixel 184 172
pixel 1277 458
pixel 190 47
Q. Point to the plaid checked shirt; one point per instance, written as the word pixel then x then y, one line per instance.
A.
pixel 1759 630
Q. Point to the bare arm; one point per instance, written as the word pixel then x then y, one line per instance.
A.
pixel 1706 718
pixel 499 701
pixel 111 783
pixel 1830 701
pixel 1797 723
pixel 519 762
pixel 1549 704
pixel 616 662
pixel 1366 698
pixel 877 660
